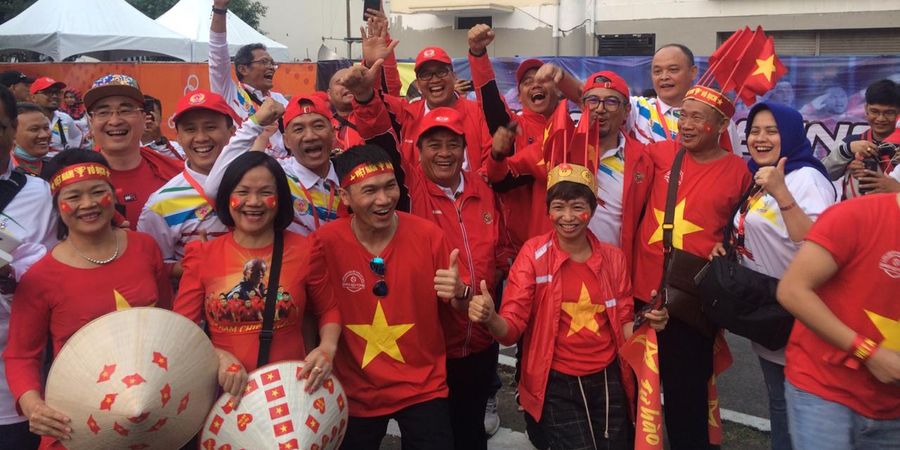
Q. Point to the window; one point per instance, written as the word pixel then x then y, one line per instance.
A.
pixel 626 44
pixel 465 23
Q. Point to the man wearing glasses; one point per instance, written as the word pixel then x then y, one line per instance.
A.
pixel 47 93
pixel 115 106
pixel 254 68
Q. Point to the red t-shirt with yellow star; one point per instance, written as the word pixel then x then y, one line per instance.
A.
pixel 391 354
pixel 707 195
pixel 584 342
pixel 863 295
pixel 227 283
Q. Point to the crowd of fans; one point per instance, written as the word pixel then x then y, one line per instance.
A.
pixel 417 236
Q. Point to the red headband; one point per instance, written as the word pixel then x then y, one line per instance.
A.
pixel 365 171
pixel 78 172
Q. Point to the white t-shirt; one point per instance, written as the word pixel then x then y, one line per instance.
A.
pixel 606 223
pixel 766 236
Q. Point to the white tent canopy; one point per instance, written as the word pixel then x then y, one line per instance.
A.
pixel 191 18
pixel 62 28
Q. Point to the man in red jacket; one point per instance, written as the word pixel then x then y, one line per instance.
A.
pixel 464 207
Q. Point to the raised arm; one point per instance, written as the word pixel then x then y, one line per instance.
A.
pixel 220 80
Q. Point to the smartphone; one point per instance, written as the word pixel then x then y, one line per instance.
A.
pixel 658 302
pixel 370 4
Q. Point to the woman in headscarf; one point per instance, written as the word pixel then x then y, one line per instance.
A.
pixel 791 189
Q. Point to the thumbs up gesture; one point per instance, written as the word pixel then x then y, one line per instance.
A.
pixel 481 308
pixel 447 283
pixel 771 179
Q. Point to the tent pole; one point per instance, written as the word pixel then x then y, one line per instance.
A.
pixel 349 42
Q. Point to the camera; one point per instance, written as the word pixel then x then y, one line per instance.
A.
pixel 880 163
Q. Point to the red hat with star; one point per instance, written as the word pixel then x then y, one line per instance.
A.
pixel 307 104
pixel 432 54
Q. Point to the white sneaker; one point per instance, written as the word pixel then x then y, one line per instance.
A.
pixel 491 418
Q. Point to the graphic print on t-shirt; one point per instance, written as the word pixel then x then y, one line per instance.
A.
pixel 246 300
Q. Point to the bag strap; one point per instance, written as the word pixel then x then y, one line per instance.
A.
pixel 256 101
pixel 668 225
pixel 11 187
pixel 268 323
pixel 62 134
pixel 729 226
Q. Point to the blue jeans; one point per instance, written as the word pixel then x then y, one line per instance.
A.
pixel 773 373
pixel 819 424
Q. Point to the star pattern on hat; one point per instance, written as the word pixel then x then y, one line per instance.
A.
pixel 582 313
pixel 380 337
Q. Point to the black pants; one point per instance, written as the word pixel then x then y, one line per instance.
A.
pixel 16 436
pixel 423 426
pixel 578 414
pixel 685 363
pixel 470 381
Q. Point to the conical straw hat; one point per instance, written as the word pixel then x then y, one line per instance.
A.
pixel 276 413
pixel 142 378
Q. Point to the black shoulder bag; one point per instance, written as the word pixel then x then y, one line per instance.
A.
pixel 742 300
pixel 268 323
pixel 681 295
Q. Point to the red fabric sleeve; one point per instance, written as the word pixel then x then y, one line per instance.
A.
pixel 504 251
pixel 372 118
pixel 189 301
pixel 390 72
pixel 319 291
pixel 482 70
pixel 29 328
pixel 624 298
pixel 836 230
pixel 495 171
pixel 518 297
pixel 163 274
pixel 487 140
pixel 397 106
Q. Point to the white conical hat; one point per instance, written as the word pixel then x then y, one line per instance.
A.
pixel 275 412
pixel 142 378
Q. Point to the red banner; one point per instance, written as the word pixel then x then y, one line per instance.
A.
pixel 642 354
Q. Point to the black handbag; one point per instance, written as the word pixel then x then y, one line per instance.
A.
pixel 680 293
pixel 742 300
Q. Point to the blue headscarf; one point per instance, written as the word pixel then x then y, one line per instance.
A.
pixel 794 144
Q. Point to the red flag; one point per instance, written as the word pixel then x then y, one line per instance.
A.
pixel 165 394
pixel 279 411
pixel 160 360
pixel 285 428
pixel 92 424
pixel 556 136
pixel 312 423
pixel 744 58
pixel 766 74
pixel 159 424
pixel 276 393
pixel 108 401
pixel 216 424
pixel 133 380
pixel 271 376
pixel 722 360
pixel 289 445
pixel 182 405
pixel 584 148
pixel 725 57
pixel 106 373
pixel 642 354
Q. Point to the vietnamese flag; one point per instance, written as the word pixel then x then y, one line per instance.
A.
pixel 641 351
pixel 725 58
pixel 556 136
pixel 722 360
pixel 276 393
pixel 289 445
pixel 283 428
pixel 584 149
pixel 768 71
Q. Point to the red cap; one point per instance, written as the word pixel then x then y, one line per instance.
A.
pixel 527 65
pixel 319 106
pixel 615 83
pixel 45 83
pixel 432 54
pixel 203 99
pixel 442 117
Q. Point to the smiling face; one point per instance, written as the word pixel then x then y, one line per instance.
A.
pixel 86 207
pixel 441 154
pixel 570 218
pixel 310 138
pixel 882 118
pixel 117 124
pixel 541 98
pixel 48 98
pixel 260 72
pixel 338 95
pixel 764 140
pixel 699 126
pixel 608 121
pixel 672 75
pixel 33 133
pixel 373 200
pixel 203 134
pixel 253 202
pixel 435 81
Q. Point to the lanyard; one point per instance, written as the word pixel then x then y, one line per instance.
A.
pixel 194 184
pixel 743 217
pixel 312 204
pixel 662 121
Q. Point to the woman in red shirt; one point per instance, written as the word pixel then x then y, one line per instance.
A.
pixel 225 279
pixel 568 297
pixel 97 268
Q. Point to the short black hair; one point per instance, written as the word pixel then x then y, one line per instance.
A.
pixel 236 171
pixel 244 57
pixel 684 49
pixel 356 155
pixel 61 161
pixel 27 107
pixel 9 105
pixel 569 190
pixel 151 100
pixel 883 92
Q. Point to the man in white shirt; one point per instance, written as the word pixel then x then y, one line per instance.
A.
pixel 254 68
pixel 47 93
pixel 29 219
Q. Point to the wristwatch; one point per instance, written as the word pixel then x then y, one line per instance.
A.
pixel 466 292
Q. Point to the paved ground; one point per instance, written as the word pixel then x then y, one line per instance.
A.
pixel 742 396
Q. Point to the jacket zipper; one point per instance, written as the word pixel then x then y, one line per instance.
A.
pixel 465 236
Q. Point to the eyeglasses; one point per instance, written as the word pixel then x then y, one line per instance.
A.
pixel 427 76
pixel 266 62
pixel 50 92
pixel 105 114
pixel 611 104
pixel 889 114
pixel 377 265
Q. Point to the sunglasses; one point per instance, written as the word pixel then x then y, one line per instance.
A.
pixel 381 288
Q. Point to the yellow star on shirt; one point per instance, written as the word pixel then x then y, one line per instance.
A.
pixel 121 302
pixel 582 313
pixel 765 67
pixel 769 214
pixel 380 337
pixel 682 226
pixel 888 328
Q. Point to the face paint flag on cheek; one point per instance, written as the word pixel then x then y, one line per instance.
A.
pixel 65 207
pixel 271 202
pixel 106 201
pixel 584 216
pixel 234 202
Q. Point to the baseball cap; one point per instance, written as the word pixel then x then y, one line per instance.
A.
pixel 319 106
pixel 203 99
pixel 442 117
pixel 43 83
pixel 11 77
pixel 615 83
pixel 527 65
pixel 113 84
pixel 432 54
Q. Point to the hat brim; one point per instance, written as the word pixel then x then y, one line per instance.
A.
pixel 180 114
pixel 98 93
